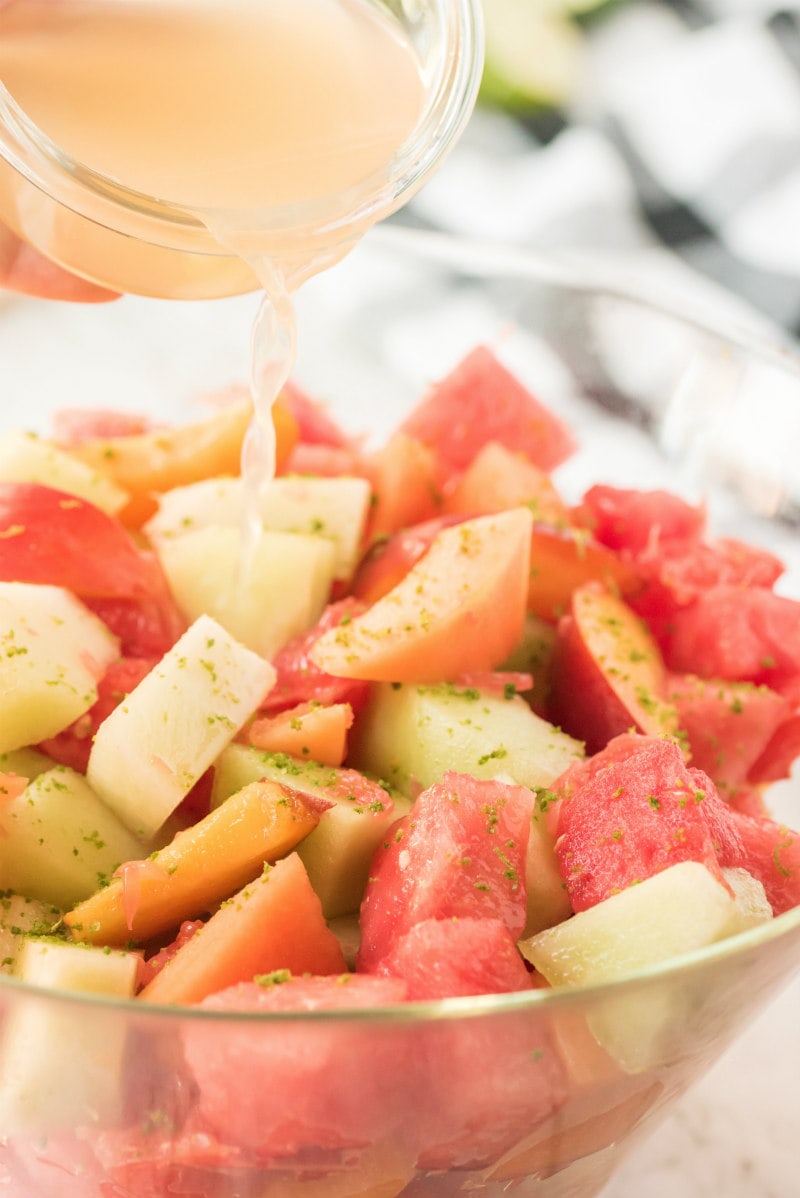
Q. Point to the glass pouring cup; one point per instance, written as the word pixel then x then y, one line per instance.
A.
pixel 96 227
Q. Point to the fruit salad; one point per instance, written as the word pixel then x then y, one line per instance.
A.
pixel 441 734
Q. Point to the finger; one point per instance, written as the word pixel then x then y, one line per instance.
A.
pixel 23 269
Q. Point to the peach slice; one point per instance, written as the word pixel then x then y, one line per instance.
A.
pixel 460 608
pixel 609 676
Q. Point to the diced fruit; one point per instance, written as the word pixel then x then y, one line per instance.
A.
pixel 332 508
pixel 447 958
pixel 635 520
pixel 461 607
pixel 735 633
pixel 273 1094
pixel 354 819
pixel 73 746
pixel 404 486
pixel 461 852
pixel 203 865
pixel 149 753
pixel 548 900
pixel 411 735
pixel 480 401
pixel 46 1054
pixel 60 842
pixel 299 680
pixel 308 730
pixel 25 458
pixel 677 911
pixel 52 653
pixel 629 815
pixel 151 462
pixel 45 534
pixel 563 559
pixel 499 478
pixel 389 559
pixel 727 725
pixel 20 918
pixel 771 852
pixel 608 675
pixel 274 923
pixel 208 576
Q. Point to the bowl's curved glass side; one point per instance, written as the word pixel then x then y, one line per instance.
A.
pixel 542 1096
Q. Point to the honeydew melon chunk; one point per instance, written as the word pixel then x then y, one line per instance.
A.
pixel 338 852
pixel 680 910
pixel 280 595
pixel 411 735
pixel 24 457
pixel 53 650
pixel 20 918
pixel 58 1066
pixel 333 508
pixel 60 841
pixel 148 754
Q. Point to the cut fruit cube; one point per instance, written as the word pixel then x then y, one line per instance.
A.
pixel 332 508
pixel 411 735
pixel 60 841
pixel 282 593
pixel 25 458
pixel 152 749
pixel 460 608
pixel 20 918
pixel 56 1070
pixel 678 911
pixel 201 867
pixel 53 651
pixel 338 852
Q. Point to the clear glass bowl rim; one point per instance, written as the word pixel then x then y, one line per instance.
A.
pixel 48 167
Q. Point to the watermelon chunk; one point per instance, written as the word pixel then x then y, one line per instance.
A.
pixel 727 724
pixel 628 819
pixel 447 958
pixel 460 853
pixel 278 1088
pixel 481 401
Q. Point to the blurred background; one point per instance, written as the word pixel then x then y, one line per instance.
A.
pixel 663 133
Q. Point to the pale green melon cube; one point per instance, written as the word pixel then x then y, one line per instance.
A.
pixel 337 854
pixel 411 735
pixel 24 457
pixel 148 754
pixel 281 593
pixel 57 1069
pixel 52 652
pixel 20 918
pixel 678 911
pixel 61 842
pixel 332 508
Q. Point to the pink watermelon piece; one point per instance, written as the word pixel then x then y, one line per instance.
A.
pixel 628 819
pixel 460 853
pixel 771 853
pixel 728 725
pixel 278 1088
pixel 451 958
pixel 482 401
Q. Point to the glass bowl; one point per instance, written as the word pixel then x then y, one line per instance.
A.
pixel 540 1094
pixel 98 226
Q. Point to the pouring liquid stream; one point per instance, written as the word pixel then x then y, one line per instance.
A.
pixel 242 112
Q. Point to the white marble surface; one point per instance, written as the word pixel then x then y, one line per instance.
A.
pixel 736 1133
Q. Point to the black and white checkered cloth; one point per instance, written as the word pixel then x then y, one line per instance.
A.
pixel 678 157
